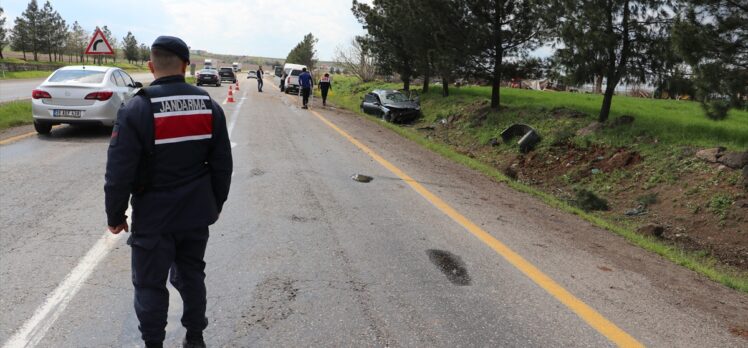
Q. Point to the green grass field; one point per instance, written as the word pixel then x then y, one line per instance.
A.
pixel 7 75
pixel 15 113
pixel 656 121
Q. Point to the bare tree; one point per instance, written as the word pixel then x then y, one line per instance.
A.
pixel 357 60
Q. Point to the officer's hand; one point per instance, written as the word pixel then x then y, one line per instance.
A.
pixel 117 229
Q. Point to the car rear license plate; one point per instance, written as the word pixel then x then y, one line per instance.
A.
pixel 67 113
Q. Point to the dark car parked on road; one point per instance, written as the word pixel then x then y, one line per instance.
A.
pixel 391 106
pixel 227 74
pixel 208 77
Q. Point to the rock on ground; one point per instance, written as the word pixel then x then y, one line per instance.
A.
pixel 710 155
pixel 734 160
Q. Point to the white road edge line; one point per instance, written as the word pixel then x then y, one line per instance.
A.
pixel 34 329
pixel 235 114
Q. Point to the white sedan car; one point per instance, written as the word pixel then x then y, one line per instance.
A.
pixel 81 94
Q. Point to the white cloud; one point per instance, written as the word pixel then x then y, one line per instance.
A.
pixel 260 27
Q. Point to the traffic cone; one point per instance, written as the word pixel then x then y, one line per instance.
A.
pixel 237 85
pixel 231 95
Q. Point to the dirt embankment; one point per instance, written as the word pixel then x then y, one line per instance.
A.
pixel 680 195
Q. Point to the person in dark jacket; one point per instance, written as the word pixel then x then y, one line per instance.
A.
pixel 325 84
pixel 283 81
pixel 305 82
pixel 170 151
pixel 259 78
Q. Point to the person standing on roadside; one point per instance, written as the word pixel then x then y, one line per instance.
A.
pixel 283 81
pixel 305 81
pixel 260 73
pixel 325 84
pixel 170 151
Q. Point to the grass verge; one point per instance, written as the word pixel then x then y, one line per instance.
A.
pixel 15 113
pixel 31 74
pixel 347 96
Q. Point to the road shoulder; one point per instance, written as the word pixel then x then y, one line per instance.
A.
pixel 633 280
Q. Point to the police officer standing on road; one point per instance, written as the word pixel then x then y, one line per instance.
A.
pixel 305 81
pixel 170 150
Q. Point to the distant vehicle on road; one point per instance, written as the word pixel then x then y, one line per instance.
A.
pixel 251 74
pixel 208 64
pixel 391 106
pixel 237 66
pixel 81 95
pixel 227 74
pixel 292 72
pixel 208 77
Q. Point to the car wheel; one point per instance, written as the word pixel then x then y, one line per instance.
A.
pixel 198 84
pixel 42 127
pixel 387 117
pixel 218 85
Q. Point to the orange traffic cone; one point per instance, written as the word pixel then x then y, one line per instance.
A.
pixel 231 95
pixel 237 85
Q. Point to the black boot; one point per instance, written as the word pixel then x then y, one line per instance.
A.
pixel 193 340
pixel 151 344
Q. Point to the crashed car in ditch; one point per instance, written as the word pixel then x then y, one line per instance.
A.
pixel 391 106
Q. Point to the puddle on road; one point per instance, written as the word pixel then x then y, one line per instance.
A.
pixel 451 265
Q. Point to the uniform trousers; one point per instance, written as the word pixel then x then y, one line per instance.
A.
pixel 177 255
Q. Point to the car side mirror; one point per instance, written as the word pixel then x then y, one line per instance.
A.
pixel 137 85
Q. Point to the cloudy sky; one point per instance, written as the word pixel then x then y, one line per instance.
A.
pixel 268 28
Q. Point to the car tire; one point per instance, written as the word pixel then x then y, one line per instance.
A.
pixel 387 117
pixel 218 85
pixel 199 84
pixel 42 127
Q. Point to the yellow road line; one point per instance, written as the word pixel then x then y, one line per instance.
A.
pixel 585 312
pixel 20 137
pixel 16 138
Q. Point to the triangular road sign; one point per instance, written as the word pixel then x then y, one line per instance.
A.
pixel 99 44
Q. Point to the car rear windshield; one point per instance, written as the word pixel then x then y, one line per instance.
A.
pixel 227 69
pixel 82 76
pixel 295 72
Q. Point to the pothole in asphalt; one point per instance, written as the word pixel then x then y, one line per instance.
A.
pixel 451 265
pixel 362 178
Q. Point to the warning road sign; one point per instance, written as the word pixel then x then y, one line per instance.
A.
pixel 99 44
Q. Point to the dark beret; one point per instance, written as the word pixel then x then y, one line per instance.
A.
pixel 174 45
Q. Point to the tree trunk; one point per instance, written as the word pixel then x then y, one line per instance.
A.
pixel 598 88
pixel 607 102
pixel 445 86
pixel 1 54
pixel 36 56
pixel 406 82
pixel 426 77
pixel 498 56
pixel 496 81
pixel 24 54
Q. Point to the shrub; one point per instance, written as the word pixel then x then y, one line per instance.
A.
pixel 589 201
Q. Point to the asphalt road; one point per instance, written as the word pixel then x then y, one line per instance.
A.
pixel 17 89
pixel 305 256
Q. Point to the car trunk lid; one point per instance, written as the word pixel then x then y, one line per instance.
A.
pixel 70 95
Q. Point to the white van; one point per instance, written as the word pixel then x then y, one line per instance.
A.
pixel 291 73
